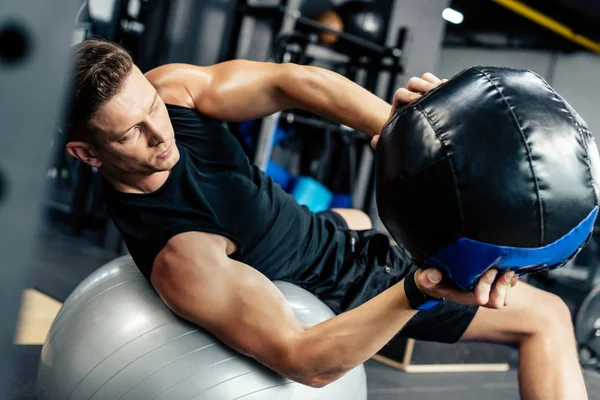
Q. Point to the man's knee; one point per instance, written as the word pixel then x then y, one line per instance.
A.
pixel 549 316
pixel 531 313
pixel 355 219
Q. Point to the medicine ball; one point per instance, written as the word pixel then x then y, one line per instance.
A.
pixel 491 169
pixel 363 19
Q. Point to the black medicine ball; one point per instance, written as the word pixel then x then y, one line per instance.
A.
pixel 494 155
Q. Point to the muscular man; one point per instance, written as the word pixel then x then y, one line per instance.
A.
pixel 211 232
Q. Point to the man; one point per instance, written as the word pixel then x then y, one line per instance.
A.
pixel 211 232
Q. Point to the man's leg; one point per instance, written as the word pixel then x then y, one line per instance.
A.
pixel 356 220
pixel 539 324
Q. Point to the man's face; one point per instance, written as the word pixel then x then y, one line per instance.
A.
pixel 137 134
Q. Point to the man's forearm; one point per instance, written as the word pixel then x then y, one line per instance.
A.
pixel 334 97
pixel 329 350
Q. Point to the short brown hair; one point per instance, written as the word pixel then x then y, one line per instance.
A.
pixel 99 71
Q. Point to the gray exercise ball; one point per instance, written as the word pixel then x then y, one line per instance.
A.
pixel 114 338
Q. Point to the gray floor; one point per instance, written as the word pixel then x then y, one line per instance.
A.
pixel 386 383
pixel 62 261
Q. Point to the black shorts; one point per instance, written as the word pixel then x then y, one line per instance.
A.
pixel 370 266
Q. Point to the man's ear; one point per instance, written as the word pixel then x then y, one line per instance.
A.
pixel 85 152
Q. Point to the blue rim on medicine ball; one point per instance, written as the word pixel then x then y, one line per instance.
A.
pixel 492 168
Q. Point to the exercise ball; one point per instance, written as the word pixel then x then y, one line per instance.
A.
pixel 492 168
pixel 331 20
pixel 363 19
pixel 114 338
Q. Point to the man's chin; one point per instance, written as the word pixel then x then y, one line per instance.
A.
pixel 167 163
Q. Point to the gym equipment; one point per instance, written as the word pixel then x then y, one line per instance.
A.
pixel 280 175
pixel 34 54
pixel 332 20
pixel 294 37
pixel 105 18
pixel 311 193
pixel 416 356
pixel 363 19
pixel 587 328
pixel 492 168
pixel 115 338
pixel 341 200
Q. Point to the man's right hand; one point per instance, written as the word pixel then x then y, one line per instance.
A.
pixel 415 89
pixel 486 294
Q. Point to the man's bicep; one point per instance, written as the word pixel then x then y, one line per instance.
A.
pixel 181 272
pixel 233 301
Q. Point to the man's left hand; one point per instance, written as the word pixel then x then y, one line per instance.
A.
pixel 415 88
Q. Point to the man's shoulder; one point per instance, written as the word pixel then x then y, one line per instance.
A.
pixel 176 82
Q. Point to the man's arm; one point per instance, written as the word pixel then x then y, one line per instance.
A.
pixel 241 90
pixel 240 306
pixel 246 311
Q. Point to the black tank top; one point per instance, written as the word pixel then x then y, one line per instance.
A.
pixel 214 188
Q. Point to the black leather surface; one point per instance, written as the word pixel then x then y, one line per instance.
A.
pixel 495 155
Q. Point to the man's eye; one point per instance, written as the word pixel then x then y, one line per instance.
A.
pixel 134 131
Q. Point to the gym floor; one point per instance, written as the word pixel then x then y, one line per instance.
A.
pixel 62 260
